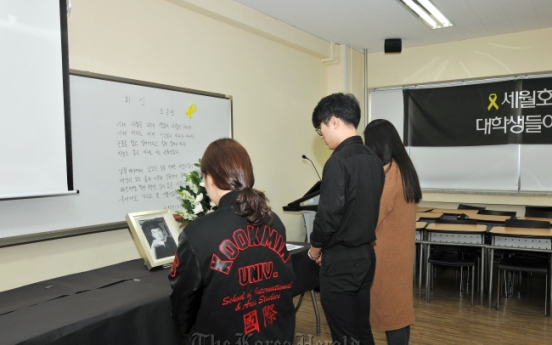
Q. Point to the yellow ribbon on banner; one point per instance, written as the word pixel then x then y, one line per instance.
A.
pixel 492 99
pixel 191 110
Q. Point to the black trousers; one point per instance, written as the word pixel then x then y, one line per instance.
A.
pixel 345 279
pixel 398 336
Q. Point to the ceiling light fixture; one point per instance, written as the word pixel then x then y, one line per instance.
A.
pixel 427 13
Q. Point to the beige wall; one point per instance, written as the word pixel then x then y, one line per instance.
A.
pixel 513 54
pixel 275 74
pixel 275 77
pixel 25 264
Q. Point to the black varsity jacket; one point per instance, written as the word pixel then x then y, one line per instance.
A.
pixel 232 281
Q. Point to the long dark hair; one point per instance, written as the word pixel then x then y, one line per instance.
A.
pixel 382 137
pixel 230 168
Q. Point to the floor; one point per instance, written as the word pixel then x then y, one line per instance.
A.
pixel 450 319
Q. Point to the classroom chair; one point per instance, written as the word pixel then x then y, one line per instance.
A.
pixel 470 207
pixel 453 256
pixel 498 213
pixel 516 262
pixel 537 211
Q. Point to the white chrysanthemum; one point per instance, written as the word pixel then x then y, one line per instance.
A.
pixel 192 193
pixel 186 195
pixel 184 213
pixel 198 198
pixel 198 208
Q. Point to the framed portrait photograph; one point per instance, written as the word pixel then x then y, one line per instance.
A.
pixel 155 234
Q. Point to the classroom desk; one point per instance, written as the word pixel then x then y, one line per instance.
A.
pixel 521 239
pixel 420 226
pixel 488 218
pixel 424 209
pixel 118 304
pixel 467 235
pixel 454 211
pixel 490 221
pixel 538 218
pixel 427 215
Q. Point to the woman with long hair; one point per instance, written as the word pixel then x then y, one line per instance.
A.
pixel 232 274
pixel 392 308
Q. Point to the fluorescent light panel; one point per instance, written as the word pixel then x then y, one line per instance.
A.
pixel 427 13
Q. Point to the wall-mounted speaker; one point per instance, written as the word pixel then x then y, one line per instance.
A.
pixel 393 45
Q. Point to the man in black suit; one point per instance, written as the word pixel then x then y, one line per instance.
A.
pixel 345 223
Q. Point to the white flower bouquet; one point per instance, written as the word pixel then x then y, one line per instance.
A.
pixel 195 200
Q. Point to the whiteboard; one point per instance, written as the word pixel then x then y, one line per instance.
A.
pixel 478 168
pixel 506 168
pixel 388 105
pixel 131 143
pixel 32 94
pixel 536 168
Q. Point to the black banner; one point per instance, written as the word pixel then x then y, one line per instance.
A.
pixel 509 112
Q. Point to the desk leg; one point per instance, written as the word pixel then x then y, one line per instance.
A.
pixel 491 259
pixel 482 278
pixel 428 273
pixel 549 292
pixel 420 270
pixel 315 305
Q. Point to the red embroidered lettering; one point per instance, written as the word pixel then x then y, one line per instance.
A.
pixel 273 240
pixel 252 233
pixel 268 269
pixel 269 314
pixel 277 287
pixel 255 273
pixel 269 237
pixel 172 272
pixel 240 238
pixel 243 276
pixel 228 248
pixel 251 322
pixel 222 266
pixel 283 252
pixel 272 297
pixel 279 243
pixel 236 298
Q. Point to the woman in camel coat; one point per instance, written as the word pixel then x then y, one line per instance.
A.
pixel 392 307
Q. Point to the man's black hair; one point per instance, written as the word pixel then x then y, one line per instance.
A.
pixel 344 107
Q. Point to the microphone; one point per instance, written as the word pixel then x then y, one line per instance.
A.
pixel 307 158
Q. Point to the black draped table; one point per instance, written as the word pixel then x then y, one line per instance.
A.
pixel 118 304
